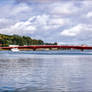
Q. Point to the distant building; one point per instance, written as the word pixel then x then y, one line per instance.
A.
pixel 13 45
pixel 83 45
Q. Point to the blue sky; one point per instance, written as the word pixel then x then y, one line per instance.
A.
pixel 62 21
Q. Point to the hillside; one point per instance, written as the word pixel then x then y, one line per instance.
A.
pixel 6 40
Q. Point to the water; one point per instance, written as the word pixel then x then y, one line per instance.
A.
pixel 45 71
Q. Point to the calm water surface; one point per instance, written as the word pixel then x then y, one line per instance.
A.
pixel 45 71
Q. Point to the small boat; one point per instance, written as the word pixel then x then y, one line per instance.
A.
pixel 15 49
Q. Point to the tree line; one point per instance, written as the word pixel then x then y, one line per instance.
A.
pixel 6 40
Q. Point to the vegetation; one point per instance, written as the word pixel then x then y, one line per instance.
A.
pixel 6 40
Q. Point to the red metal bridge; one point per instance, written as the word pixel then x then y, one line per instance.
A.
pixel 34 47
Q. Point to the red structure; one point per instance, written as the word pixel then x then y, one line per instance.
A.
pixel 34 47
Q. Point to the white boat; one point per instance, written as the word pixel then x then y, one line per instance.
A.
pixel 15 49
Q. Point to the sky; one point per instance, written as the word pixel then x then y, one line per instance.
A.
pixel 62 21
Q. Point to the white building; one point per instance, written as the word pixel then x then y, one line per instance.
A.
pixel 13 45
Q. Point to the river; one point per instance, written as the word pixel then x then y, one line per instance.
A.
pixel 45 71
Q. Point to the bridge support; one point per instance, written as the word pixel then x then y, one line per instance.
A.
pixel 34 49
pixel 82 49
pixel 50 48
pixel 58 48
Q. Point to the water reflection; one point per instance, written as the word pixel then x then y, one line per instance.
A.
pixel 38 73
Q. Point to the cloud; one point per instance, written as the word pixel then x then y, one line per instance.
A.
pixel 42 22
pixel 80 30
pixel 50 20
pixel 4 22
pixel 21 28
pixel 63 8
pixel 46 22
pixel 15 11
pixel 89 14
pixel 58 21
pixel 21 8
pixel 72 31
pixel 39 1
pixel 87 4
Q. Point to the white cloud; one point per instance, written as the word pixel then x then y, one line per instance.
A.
pixel 41 19
pixel 89 14
pixel 20 9
pixel 58 21
pixel 72 31
pixel 80 30
pixel 21 28
pixel 39 1
pixel 87 3
pixel 45 20
pixel 42 22
pixel 63 8
pixel 4 22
